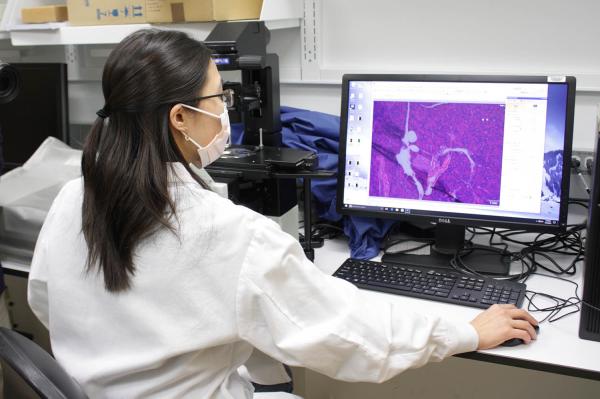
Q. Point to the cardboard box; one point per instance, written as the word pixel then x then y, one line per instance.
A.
pixel 106 12
pixel 114 12
pixel 40 15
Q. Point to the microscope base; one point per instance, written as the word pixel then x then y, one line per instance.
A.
pixel 288 221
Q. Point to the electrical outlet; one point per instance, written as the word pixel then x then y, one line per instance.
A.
pixel 588 163
pixel 582 156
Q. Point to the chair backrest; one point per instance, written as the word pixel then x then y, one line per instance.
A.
pixel 40 370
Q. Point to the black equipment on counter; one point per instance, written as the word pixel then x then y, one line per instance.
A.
pixel 260 174
pixel 10 82
pixel 34 98
pixel 243 46
pixel 589 323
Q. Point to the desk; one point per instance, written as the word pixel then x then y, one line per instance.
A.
pixel 15 267
pixel 558 348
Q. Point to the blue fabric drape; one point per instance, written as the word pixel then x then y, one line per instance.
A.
pixel 319 132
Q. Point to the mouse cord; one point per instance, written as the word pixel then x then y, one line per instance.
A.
pixel 555 311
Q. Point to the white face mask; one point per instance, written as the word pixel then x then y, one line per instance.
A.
pixel 215 148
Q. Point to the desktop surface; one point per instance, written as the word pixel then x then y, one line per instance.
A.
pixel 558 348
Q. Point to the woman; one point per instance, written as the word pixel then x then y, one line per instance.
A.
pixel 152 286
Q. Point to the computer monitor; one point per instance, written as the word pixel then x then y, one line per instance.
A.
pixel 39 110
pixel 457 151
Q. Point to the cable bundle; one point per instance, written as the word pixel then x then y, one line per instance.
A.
pixel 535 255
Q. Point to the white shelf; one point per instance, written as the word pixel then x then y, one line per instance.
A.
pixel 111 34
pixel 73 35
pixel 277 14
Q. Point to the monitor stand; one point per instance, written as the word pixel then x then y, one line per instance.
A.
pixel 448 240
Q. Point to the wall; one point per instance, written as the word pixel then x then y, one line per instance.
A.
pixel 481 36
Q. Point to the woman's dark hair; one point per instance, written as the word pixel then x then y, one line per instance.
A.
pixel 124 164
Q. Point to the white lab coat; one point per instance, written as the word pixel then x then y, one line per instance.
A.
pixel 200 301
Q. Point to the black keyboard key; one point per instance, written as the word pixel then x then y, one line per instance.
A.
pixel 384 285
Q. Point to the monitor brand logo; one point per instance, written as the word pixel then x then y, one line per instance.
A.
pixel 444 220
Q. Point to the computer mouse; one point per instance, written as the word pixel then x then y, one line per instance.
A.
pixel 518 341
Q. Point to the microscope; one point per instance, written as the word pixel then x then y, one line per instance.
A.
pixel 260 173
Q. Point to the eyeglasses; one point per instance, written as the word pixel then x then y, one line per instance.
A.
pixel 227 96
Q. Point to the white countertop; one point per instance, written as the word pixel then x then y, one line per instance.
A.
pixel 558 343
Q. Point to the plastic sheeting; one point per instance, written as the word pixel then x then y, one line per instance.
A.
pixel 27 192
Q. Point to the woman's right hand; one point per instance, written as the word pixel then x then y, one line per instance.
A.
pixel 500 323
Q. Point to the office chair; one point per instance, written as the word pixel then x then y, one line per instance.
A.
pixel 37 368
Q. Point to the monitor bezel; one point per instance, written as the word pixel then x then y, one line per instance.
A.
pixel 451 217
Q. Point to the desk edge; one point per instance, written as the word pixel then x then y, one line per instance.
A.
pixel 532 365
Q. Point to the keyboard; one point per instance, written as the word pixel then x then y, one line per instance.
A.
pixel 442 285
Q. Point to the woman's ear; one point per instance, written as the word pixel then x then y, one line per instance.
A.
pixel 177 124
pixel 177 118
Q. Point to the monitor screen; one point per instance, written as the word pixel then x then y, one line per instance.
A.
pixel 469 150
